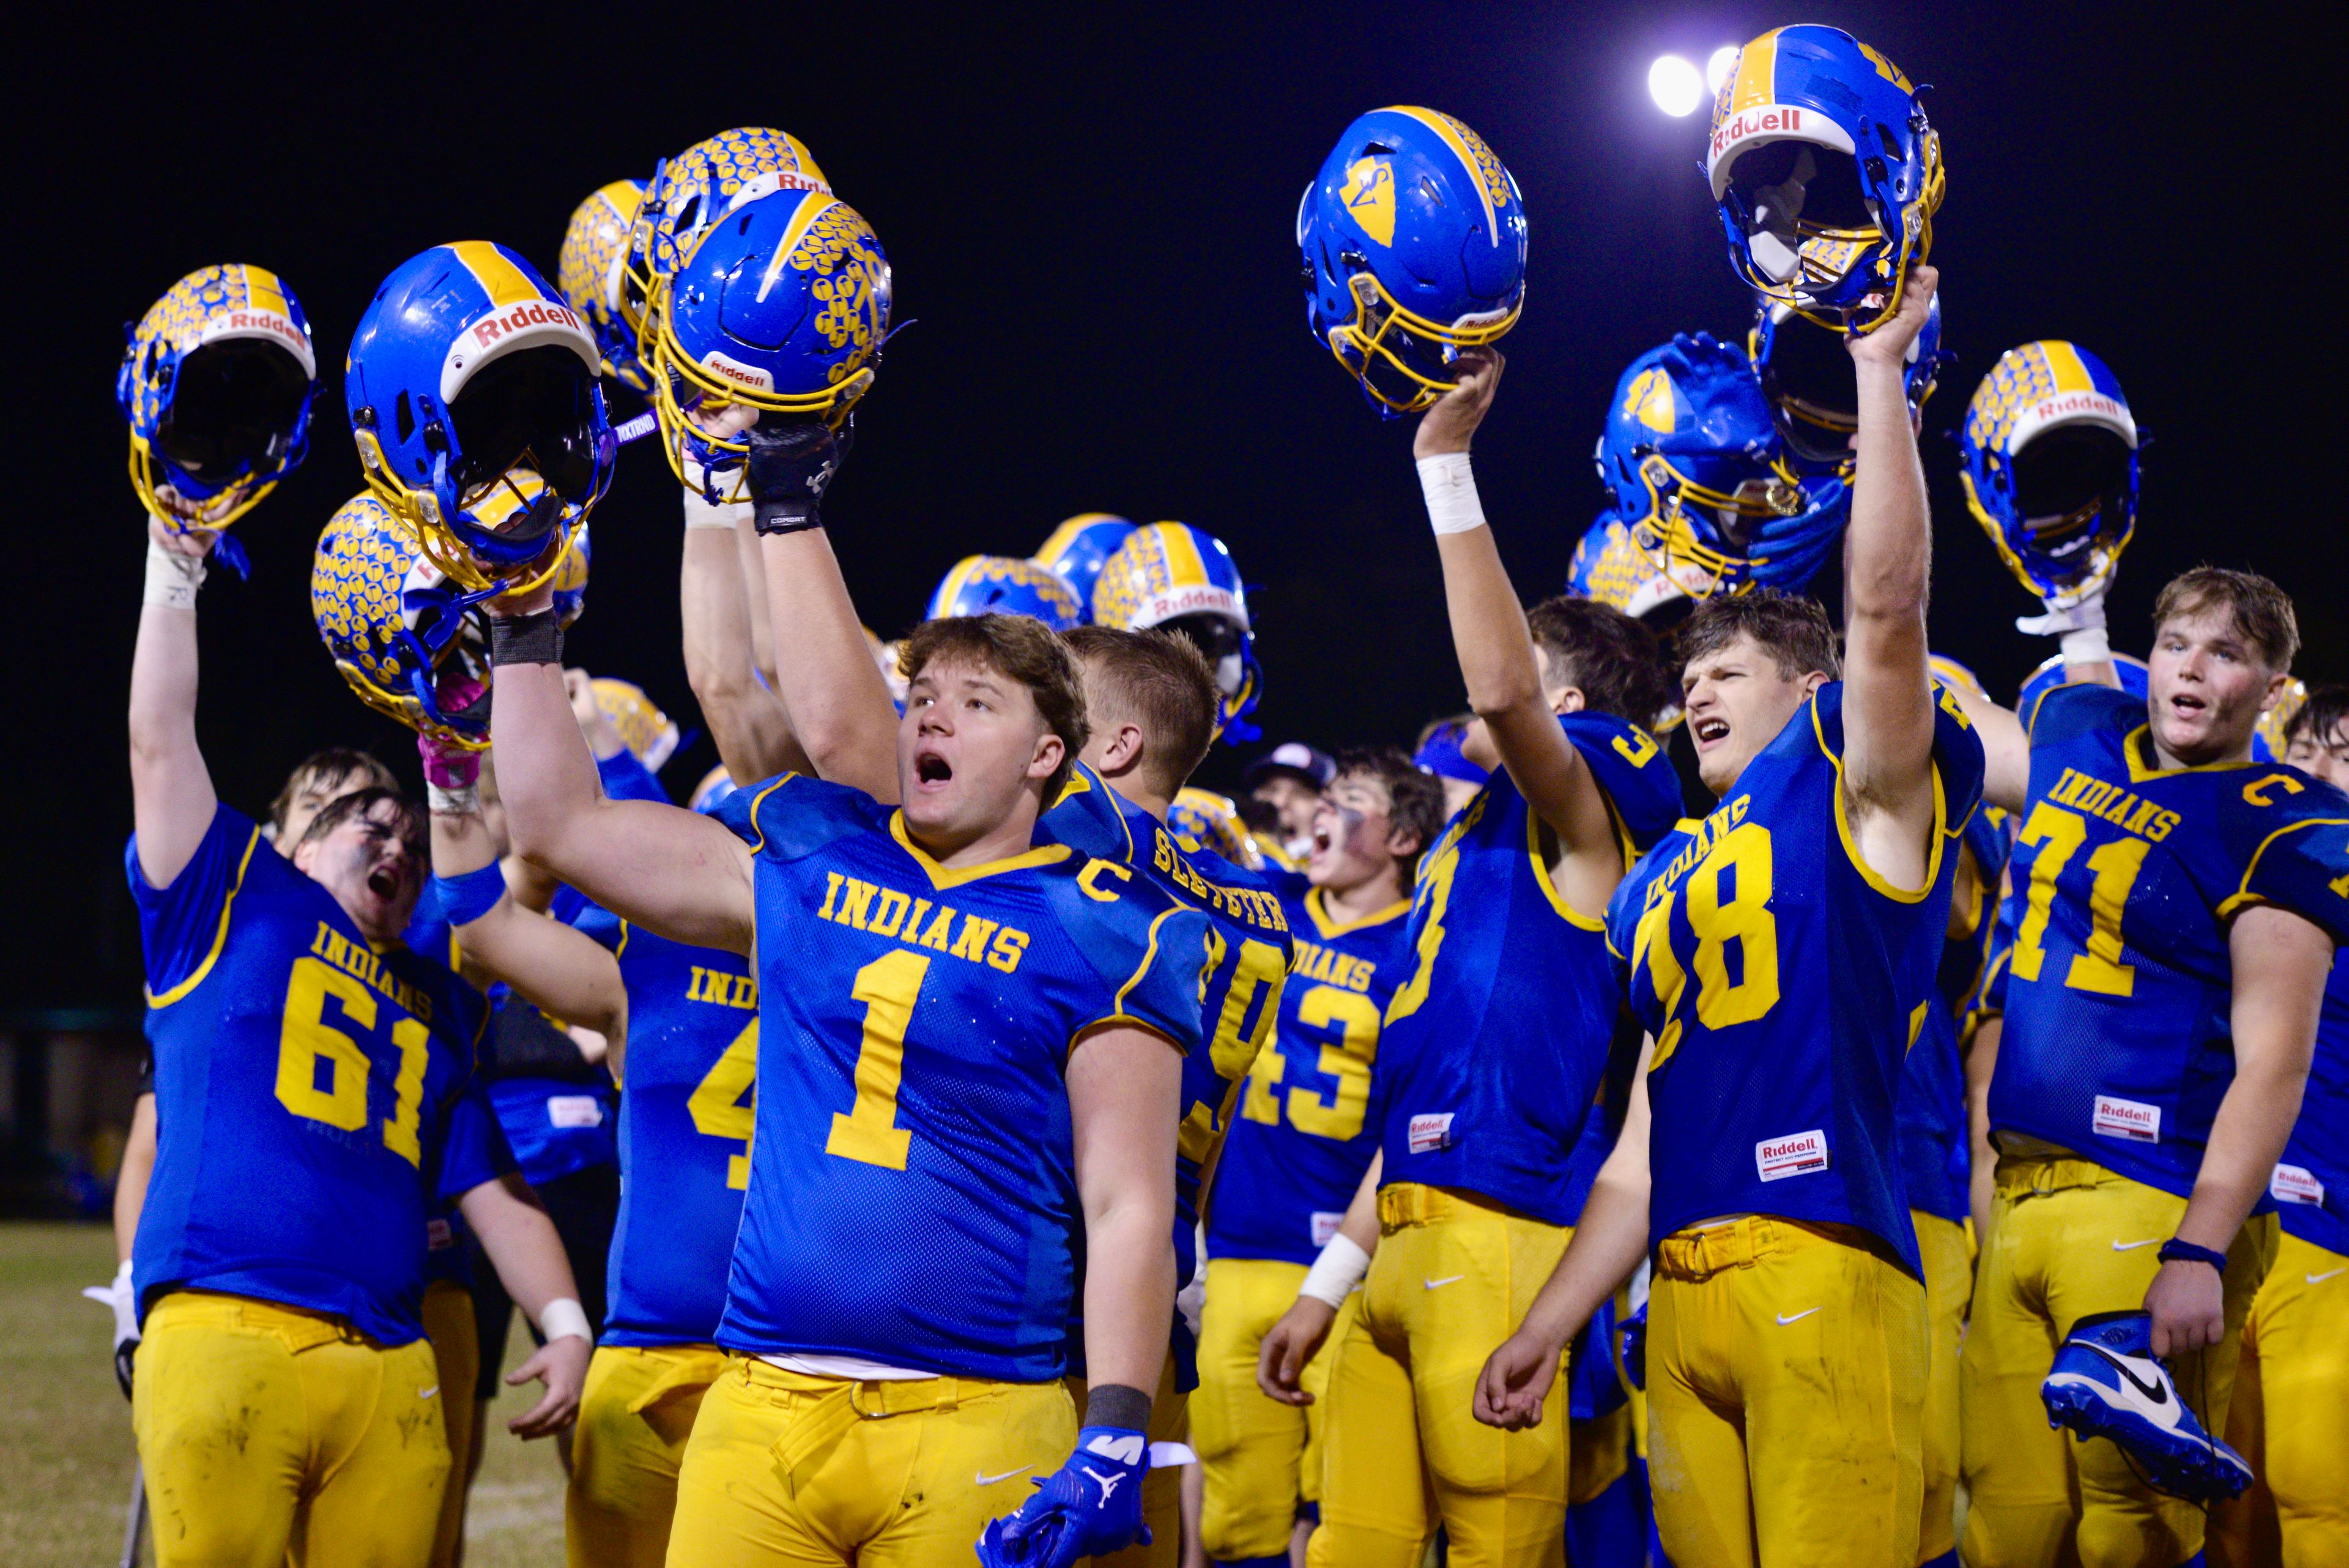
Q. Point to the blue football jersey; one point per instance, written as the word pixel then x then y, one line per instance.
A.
pixel 1929 1116
pixel 446 1255
pixel 312 1096
pixel 913 1196
pixel 687 1109
pixel 1302 1138
pixel 1496 1043
pixel 1249 951
pixel 1773 1084
pixel 2311 1185
pixel 2117 1042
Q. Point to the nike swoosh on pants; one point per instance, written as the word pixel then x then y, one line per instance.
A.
pixel 2319 1279
pixel 986 1479
pixel 2133 1246
pixel 1448 1279
pixel 1783 1319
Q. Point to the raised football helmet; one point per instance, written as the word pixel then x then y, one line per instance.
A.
pixel 2134 681
pixel 216 385
pixel 467 372
pixel 399 632
pixel 1181 578
pixel 1609 565
pixel 1005 585
pixel 571 579
pixel 1202 819
pixel 590 274
pixel 1813 390
pixel 711 792
pixel 1951 673
pixel 2267 741
pixel 644 729
pixel 694 190
pixel 2050 471
pixel 776 311
pixel 1692 458
pixel 1414 240
pixel 1826 173
pixel 1076 550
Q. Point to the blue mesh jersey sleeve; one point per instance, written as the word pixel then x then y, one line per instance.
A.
pixel 2311 1184
pixel 2302 866
pixel 1149 950
pixel 182 926
pixel 793 815
pixel 474 1149
pixel 626 778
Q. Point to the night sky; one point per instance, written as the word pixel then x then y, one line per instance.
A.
pixel 1090 226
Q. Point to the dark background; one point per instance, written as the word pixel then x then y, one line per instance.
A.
pixel 1090 217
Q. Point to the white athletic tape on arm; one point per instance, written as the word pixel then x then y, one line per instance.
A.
pixel 1451 490
pixel 1335 1273
pixel 172 578
pixel 702 512
pixel 565 1319
pixel 2089 645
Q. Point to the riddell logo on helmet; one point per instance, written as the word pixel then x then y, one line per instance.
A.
pixel 1753 122
pixel 242 322
pixel 742 375
pixel 1203 599
pixel 2073 405
pixel 534 313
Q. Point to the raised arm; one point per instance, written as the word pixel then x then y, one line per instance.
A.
pixel 1496 648
pixel 1888 756
pixel 724 623
pixel 1608 1242
pixel 684 876
pixel 2006 749
pixel 2281 962
pixel 839 708
pixel 171 789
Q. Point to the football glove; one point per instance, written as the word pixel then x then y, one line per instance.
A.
pixel 791 465
pixel 2107 1383
pixel 1091 1506
pixel 124 1300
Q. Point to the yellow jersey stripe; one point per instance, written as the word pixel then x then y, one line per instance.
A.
pixel 220 936
pixel 1149 956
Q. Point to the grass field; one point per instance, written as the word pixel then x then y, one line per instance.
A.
pixel 66 1432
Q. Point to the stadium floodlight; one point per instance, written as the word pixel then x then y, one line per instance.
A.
pixel 1718 65
pixel 1674 83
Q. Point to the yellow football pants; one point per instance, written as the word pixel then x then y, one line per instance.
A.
pixel 783 1467
pixel 2069 1238
pixel 1786 1369
pixel 2290 1418
pixel 1261 1456
pixel 1949 1283
pixel 634 1415
pixel 1403 1449
pixel 1162 1490
pixel 457 1355
pixel 272 1434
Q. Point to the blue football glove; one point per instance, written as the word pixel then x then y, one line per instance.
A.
pixel 1090 1506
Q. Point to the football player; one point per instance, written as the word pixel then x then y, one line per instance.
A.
pixel 1489 1058
pixel 1289 778
pixel 300 1051
pixel 884 1381
pixel 1300 1142
pixel 2174 911
pixel 1779 953
pixel 2291 1380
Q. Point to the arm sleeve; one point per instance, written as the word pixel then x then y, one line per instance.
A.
pixel 183 925
pixel 625 778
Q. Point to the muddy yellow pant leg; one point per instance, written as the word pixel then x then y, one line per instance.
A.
pixel 271 1435
pixel 457 1357
pixel 784 1468
pixel 1948 1281
pixel 634 1415
pixel 2291 1411
pixel 1786 1387
pixel 1376 1511
pixel 2021 1495
pixel 1261 1458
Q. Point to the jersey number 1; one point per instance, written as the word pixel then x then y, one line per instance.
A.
pixel 869 1131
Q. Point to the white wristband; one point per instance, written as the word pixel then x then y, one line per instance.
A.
pixel 702 512
pixel 1335 1273
pixel 563 1318
pixel 1451 490
pixel 172 578
pixel 2089 645
pixel 465 802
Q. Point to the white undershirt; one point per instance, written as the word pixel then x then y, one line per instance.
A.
pixel 854 1369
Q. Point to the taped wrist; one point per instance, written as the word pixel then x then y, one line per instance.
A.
pixel 460 800
pixel 464 900
pixel 700 511
pixel 172 578
pixel 526 639
pixel 1450 486
pixel 2089 645
pixel 565 1319
pixel 1116 1405
pixel 1335 1273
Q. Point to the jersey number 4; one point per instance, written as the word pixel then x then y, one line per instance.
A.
pixel 716 1104
pixel 308 1041
pixel 1347 1059
pixel 2059 834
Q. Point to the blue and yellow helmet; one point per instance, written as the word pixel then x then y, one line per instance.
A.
pixel 401 635
pixel 1076 550
pixel 1951 672
pixel 695 188
pixel 2269 741
pixel 711 792
pixel 1413 241
pixel 652 735
pixel 571 579
pixel 1180 579
pixel 1610 566
pixel 2050 454
pixel 216 385
pixel 1005 585
pixel 1826 173
pixel 2136 679
pixel 466 371
pixel 1202 819
pixel 1814 389
pixel 777 311
pixel 1692 456
pixel 590 274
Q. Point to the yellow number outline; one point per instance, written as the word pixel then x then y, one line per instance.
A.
pixel 1347 1059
